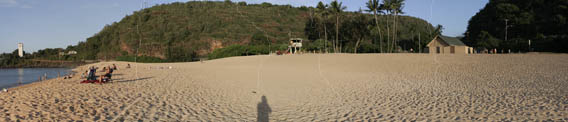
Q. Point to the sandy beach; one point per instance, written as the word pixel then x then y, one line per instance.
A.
pixel 309 87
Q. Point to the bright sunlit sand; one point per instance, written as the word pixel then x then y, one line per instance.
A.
pixel 309 87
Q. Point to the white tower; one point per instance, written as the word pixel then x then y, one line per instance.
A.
pixel 21 49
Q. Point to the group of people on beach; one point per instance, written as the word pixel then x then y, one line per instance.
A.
pixel 90 74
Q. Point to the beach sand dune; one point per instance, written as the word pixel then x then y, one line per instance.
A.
pixel 309 87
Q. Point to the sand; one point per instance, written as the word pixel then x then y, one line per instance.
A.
pixel 309 87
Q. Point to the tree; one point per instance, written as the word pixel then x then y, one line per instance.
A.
pixel 394 7
pixel 486 40
pixel 322 14
pixel 373 6
pixel 386 6
pixel 336 8
pixel 437 31
pixel 228 2
pixel 356 29
pixel 398 6
pixel 266 4
pixel 541 21
pixel 242 3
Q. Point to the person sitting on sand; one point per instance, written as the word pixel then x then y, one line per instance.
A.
pixel 128 66
pixel 107 76
pixel 85 74
pixel 69 76
pixel 114 67
pixel 110 70
pixel 92 72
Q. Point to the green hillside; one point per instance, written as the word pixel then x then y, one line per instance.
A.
pixel 194 27
pixel 182 31
pixel 543 22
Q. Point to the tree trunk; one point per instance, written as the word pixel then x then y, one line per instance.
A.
pixel 391 33
pixel 336 30
pixel 379 29
pixel 388 34
pixel 340 48
pixel 325 34
pixel 392 38
pixel 356 45
pixel 419 44
pixel 413 41
pixel 394 45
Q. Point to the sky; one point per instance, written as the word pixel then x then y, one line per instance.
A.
pixel 43 24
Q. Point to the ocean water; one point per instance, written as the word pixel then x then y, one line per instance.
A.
pixel 18 76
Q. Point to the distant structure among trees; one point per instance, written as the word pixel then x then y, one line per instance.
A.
pixel 21 49
pixel 72 52
pixel 295 45
pixel 448 45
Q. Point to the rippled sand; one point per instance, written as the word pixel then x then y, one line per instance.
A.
pixel 343 87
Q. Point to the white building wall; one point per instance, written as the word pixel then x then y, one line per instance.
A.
pixel 21 49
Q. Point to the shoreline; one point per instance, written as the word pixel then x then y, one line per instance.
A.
pixel 59 66
pixel 37 80
pixel 33 63
pixel 31 84
pixel 71 69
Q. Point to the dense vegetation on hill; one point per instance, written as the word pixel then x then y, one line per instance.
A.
pixel 183 31
pixel 10 59
pixel 186 31
pixel 544 22
pixel 358 28
pixel 41 59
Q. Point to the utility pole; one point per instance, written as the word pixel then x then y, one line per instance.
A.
pixel 419 44
pixel 530 45
pixel 506 28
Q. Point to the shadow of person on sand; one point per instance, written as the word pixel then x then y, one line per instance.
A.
pixel 132 80
pixel 117 74
pixel 263 110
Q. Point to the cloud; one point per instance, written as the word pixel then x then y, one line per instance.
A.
pixel 13 3
pixel 100 6
pixel 115 5
pixel 8 3
pixel 25 6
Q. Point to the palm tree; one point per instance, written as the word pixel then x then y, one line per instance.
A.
pixel 437 30
pixel 387 7
pixel 336 8
pixel 397 9
pixel 322 13
pixel 394 7
pixel 373 6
